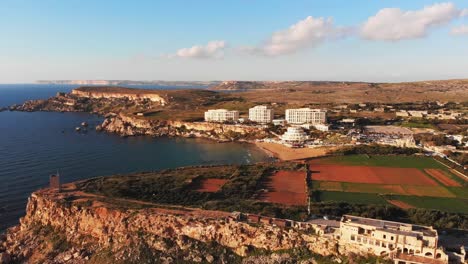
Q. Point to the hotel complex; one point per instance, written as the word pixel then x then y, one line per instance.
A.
pixel 305 116
pixel 294 136
pixel 261 114
pixel 221 115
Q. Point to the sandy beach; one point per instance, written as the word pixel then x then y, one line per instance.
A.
pixel 285 153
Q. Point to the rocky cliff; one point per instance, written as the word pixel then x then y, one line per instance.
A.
pixel 118 92
pixel 125 125
pixel 75 227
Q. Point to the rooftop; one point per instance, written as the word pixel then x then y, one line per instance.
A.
pixel 418 259
pixel 390 226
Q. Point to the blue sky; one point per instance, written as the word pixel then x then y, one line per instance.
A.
pixel 226 40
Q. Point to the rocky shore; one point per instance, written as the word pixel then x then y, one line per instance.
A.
pixel 119 120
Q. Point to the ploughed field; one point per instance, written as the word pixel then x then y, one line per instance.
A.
pixel 211 185
pixel 287 187
pixel 403 181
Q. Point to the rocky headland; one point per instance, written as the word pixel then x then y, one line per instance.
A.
pixel 72 226
pixel 134 112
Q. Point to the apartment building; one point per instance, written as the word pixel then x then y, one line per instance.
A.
pixel 221 115
pixel 261 114
pixel 305 116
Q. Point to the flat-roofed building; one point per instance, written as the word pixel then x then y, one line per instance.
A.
pixel 221 115
pixel 261 114
pixel 306 116
pixel 403 242
pixel 279 122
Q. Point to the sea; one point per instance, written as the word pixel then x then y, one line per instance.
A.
pixel 36 145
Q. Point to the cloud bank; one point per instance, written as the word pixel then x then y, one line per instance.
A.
pixel 388 24
pixel 393 24
pixel 213 49
pixel 306 33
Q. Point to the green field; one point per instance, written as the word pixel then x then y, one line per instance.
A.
pixel 452 205
pixel 442 198
pixel 356 198
pixel 418 125
pixel 460 192
pixel 436 191
pixel 419 162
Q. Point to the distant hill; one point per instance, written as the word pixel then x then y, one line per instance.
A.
pixel 300 92
pixel 255 85
pixel 130 82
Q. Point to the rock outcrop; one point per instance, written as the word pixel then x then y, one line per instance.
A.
pixel 125 125
pixel 78 231
pixel 118 92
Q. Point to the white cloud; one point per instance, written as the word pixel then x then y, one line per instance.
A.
pixel 213 49
pixel 393 24
pixel 460 30
pixel 464 12
pixel 306 33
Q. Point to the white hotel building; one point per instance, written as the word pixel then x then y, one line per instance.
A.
pixel 261 114
pixel 221 115
pixel 294 136
pixel 306 116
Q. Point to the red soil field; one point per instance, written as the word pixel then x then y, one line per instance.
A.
pixel 367 174
pixel 211 185
pixel 287 187
pixel 444 179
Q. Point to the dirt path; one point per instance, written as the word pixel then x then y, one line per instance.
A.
pixel 400 204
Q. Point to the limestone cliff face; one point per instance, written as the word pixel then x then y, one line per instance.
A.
pixel 97 228
pixel 131 96
pixel 132 126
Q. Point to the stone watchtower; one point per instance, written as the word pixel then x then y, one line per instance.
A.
pixel 54 180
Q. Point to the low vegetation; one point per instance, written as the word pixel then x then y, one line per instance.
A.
pixel 242 191
pixel 245 186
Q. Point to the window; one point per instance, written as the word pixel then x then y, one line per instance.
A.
pixel 384 236
pixel 391 238
pixel 353 237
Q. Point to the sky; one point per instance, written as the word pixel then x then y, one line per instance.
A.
pixel 378 41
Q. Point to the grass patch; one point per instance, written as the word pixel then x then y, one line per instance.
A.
pixel 418 125
pixel 348 197
pixel 460 192
pixel 434 191
pixel 451 205
pixel 384 161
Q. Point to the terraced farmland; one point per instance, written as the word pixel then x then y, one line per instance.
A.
pixel 403 181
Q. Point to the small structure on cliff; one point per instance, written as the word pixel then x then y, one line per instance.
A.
pixel 54 181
